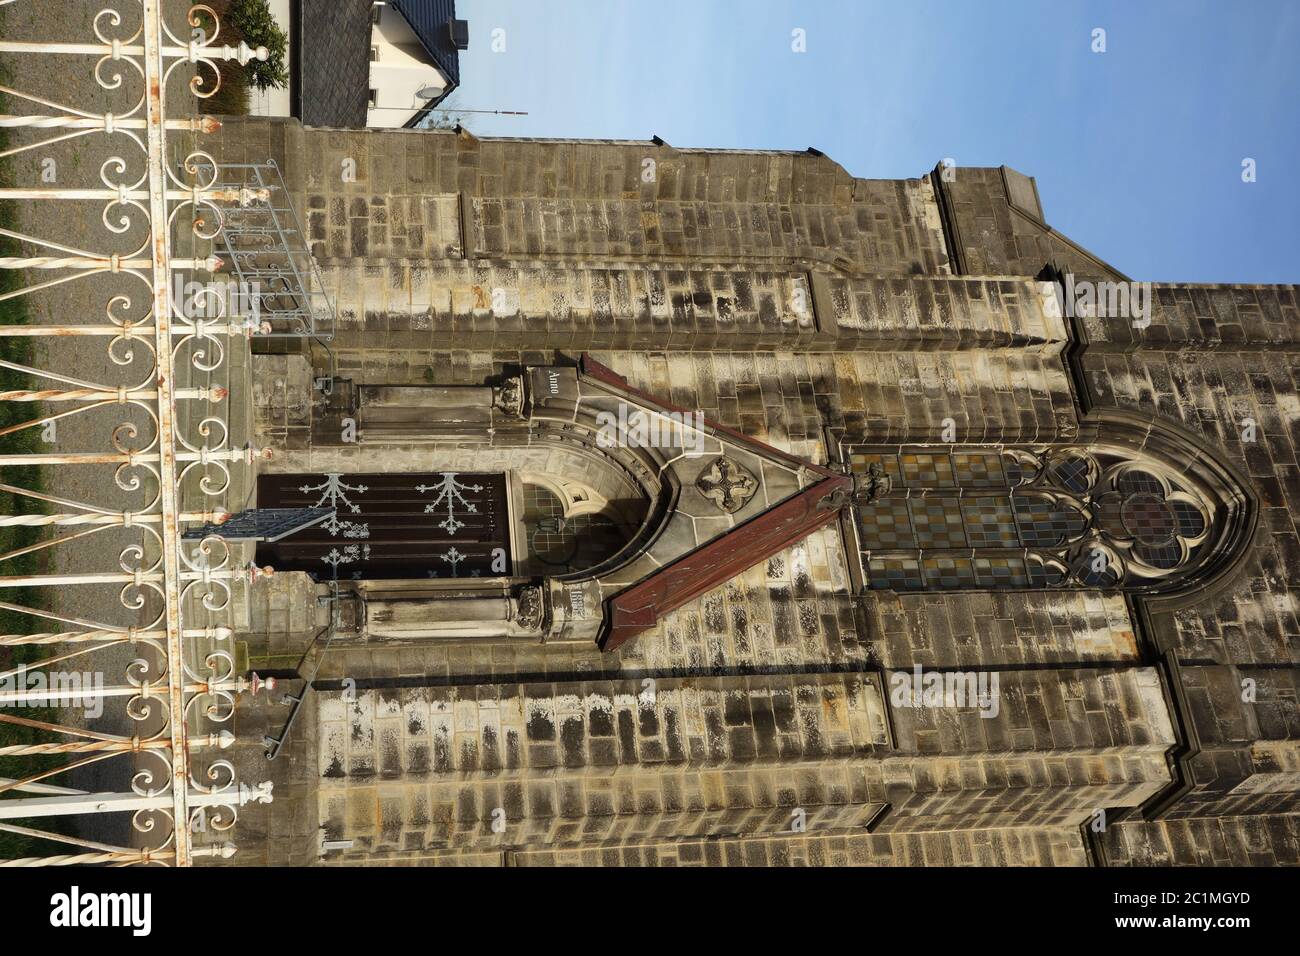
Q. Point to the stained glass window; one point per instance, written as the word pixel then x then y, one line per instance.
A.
pixel 997 517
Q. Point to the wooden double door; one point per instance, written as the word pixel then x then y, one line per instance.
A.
pixel 386 526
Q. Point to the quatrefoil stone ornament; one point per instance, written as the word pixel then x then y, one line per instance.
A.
pixel 727 484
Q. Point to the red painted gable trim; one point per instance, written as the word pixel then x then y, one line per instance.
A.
pixel 640 607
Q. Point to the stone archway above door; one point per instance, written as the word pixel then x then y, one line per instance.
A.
pixel 701 502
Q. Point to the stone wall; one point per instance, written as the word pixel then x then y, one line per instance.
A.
pixel 1237 645
pixel 803 307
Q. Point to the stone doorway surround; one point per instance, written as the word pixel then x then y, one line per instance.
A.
pixel 700 502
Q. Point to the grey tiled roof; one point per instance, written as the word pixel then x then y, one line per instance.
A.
pixel 333 75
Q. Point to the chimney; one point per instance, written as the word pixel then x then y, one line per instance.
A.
pixel 459 30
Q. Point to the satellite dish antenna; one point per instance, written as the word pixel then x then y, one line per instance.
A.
pixel 428 92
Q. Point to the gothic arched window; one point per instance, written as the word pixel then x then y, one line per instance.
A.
pixel 993 517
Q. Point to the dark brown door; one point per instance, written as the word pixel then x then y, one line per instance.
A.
pixel 438 525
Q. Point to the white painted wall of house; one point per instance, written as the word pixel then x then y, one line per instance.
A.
pixel 399 67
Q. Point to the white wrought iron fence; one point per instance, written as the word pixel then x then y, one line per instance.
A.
pixel 167 458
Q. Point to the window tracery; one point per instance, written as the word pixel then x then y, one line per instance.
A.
pixel 993 517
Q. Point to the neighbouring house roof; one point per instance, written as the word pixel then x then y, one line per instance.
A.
pixel 332 40
pixel 429 19
pixel 332 78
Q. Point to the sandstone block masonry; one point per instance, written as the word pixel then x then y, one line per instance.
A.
pixel 809 309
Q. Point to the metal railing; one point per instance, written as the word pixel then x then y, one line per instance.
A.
pixel 167 459
pixel 270 255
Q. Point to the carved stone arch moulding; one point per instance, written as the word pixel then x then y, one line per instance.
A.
pixel 738 501
pixel 1130 505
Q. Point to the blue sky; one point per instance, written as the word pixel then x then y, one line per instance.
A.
pixel 1137 150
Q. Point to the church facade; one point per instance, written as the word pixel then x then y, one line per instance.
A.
pixel 701 507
